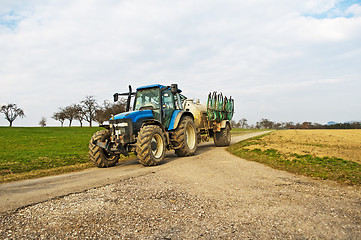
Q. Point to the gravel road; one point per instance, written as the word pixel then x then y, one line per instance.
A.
pixel 212 195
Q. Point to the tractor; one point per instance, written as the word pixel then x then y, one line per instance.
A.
pixel 161 118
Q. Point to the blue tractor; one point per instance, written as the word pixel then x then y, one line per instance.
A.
pixel 157 122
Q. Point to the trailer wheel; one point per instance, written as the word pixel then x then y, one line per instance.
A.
pixel 223 138
pixel 99 156
pixel 185 138
pixel 151 146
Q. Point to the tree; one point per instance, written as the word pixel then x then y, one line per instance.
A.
pixel 265 123
pixel 289 125
pixel 243 123
pixel 101 113
pixel 70 113
pixel 59 116
pixel 12 112
pixel 306 125
pixel 118 107
pixel 107 110
pixel 42 122
pixel 89 106
pixel 277 125
pixel 80 114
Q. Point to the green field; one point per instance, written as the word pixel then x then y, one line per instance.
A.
pixel 31 152
pixel 242 131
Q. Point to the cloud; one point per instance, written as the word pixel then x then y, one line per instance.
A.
pixel 55 53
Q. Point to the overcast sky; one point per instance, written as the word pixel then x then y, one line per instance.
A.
pixel 284 60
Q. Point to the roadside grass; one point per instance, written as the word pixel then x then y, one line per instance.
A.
pixel 325 167
pixel 242 131
pixel 30 152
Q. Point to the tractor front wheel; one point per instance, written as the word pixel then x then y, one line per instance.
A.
pixel 151 145
pixel 99 156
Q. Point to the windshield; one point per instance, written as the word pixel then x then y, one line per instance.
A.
pixel 147 98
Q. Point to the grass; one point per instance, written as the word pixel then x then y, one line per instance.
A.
pixel 308 164
pixel 241 131
pixel 340 143
pixel 27 152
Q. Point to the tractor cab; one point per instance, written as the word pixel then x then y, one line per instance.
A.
pixel 162 101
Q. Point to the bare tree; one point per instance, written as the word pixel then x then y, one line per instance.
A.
pixel 80 114
pixel 118 107
pixel 306 125
pixel 265 123
pixel 42 122
pixel 59 116
pixel 90 106
pixel 100 116
pixel 70 113
pixel 104 113
pixel 243 123
pixel 101 113
pixel 12 112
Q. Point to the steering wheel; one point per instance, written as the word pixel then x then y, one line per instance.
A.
pixel 149 105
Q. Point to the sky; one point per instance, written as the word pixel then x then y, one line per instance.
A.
pixel 283 60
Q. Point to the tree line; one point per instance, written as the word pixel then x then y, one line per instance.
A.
pixel 89 110
pixel 264 123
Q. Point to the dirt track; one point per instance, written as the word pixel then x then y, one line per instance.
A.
pixel 211 195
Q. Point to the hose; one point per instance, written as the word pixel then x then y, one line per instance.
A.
pixel 219 108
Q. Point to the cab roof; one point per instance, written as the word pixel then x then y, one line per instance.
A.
pixel 156 86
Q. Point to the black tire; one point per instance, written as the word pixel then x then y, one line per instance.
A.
pixel 147 154
pixel 185 138
pixel 223 138
pixel 99 156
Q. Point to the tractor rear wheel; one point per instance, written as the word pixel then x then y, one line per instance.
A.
pixel 223 138
pixel 185 138
pixel 151 145
pixel 99 156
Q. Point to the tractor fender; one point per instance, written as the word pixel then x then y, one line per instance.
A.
pixel 176 117
pixel 224 123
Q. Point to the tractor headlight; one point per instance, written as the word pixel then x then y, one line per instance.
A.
pixel 123 124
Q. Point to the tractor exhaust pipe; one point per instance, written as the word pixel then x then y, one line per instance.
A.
pixel 129 98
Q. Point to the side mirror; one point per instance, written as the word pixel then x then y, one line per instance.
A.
pixel 174 88
pixel 115 97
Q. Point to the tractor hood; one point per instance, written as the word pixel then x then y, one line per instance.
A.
pixel 133 115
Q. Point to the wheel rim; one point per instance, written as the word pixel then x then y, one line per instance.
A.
pixel 191 136
pixel 157 153
pixel 107 155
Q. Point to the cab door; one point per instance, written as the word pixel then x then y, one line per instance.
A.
pixel 167 107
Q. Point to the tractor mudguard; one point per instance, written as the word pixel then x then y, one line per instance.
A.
pixel 218 126
pixel 224 123
pixel 176 117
